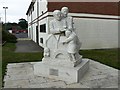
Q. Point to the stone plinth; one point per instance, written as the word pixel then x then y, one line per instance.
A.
pixel 61 62
pixel 68 74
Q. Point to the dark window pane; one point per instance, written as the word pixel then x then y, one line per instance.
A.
pixel 43 28
pixel 41 40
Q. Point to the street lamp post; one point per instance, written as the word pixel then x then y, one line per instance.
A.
pixel 5 15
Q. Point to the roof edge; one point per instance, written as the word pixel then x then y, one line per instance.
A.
pixel 30 6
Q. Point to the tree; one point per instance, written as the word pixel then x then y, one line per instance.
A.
pixel 14 24
pixel 10 26
pixel 23 23
pixel 6 36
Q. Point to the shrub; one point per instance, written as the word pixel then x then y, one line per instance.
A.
pixel 6 36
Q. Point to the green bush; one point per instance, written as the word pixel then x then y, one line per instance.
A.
pixel 6 36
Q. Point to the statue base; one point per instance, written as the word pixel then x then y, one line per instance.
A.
pixel 67 74
pixel 61 62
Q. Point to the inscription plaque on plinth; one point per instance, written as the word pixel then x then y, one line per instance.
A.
pixel 53 72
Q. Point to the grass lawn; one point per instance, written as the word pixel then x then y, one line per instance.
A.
pixel 107 56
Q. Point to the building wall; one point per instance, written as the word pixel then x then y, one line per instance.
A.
pixel 43 35
pixel 95 31
pixel 42 6
pixel 29 18
pixel 32 15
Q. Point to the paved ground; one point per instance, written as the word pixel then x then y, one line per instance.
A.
pixel 27 46
pixel 21 35
pixel 20 75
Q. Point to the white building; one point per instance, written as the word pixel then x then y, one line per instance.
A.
pixel 96 22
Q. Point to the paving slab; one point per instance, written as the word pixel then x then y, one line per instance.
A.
pixel 27 46
pixel 20 75
pixel 21 39
pixel 21 35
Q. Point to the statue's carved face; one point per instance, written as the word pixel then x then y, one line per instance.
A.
pixel 67 33
pixel 64 12
pixel 57 16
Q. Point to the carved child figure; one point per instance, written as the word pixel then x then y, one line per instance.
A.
pixel 73 44
pixel 67 19
pixel 46 52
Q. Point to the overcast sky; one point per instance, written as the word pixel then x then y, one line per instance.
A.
pixel 16 9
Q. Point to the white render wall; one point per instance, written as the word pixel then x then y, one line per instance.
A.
pixel 33 16
pixel 42 6
pixel 42 9
pixel 29 27
pixel 42 34
pixel 97 33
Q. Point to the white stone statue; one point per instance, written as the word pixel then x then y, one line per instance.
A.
pixel 61 59
pixel 67 19
pixel 57 25
pixel 46 52
pixel 73 44
pixel 62 42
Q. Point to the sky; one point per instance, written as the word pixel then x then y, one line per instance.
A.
pixel 16 10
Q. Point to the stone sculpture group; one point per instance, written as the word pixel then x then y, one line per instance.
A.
pixel 62 27
pixel 62 60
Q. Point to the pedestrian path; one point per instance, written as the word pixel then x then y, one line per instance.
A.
pixel 21 75
pixel 23 39
pixel 27 46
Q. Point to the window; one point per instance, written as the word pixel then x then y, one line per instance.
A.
pixel 43 28
pixel 33 8
pixel 41 40
pixel 29 13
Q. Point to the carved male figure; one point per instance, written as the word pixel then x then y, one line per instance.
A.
pixel 57 26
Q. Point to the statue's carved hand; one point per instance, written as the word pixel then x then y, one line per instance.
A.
pixel 63 30
pixel 64 42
